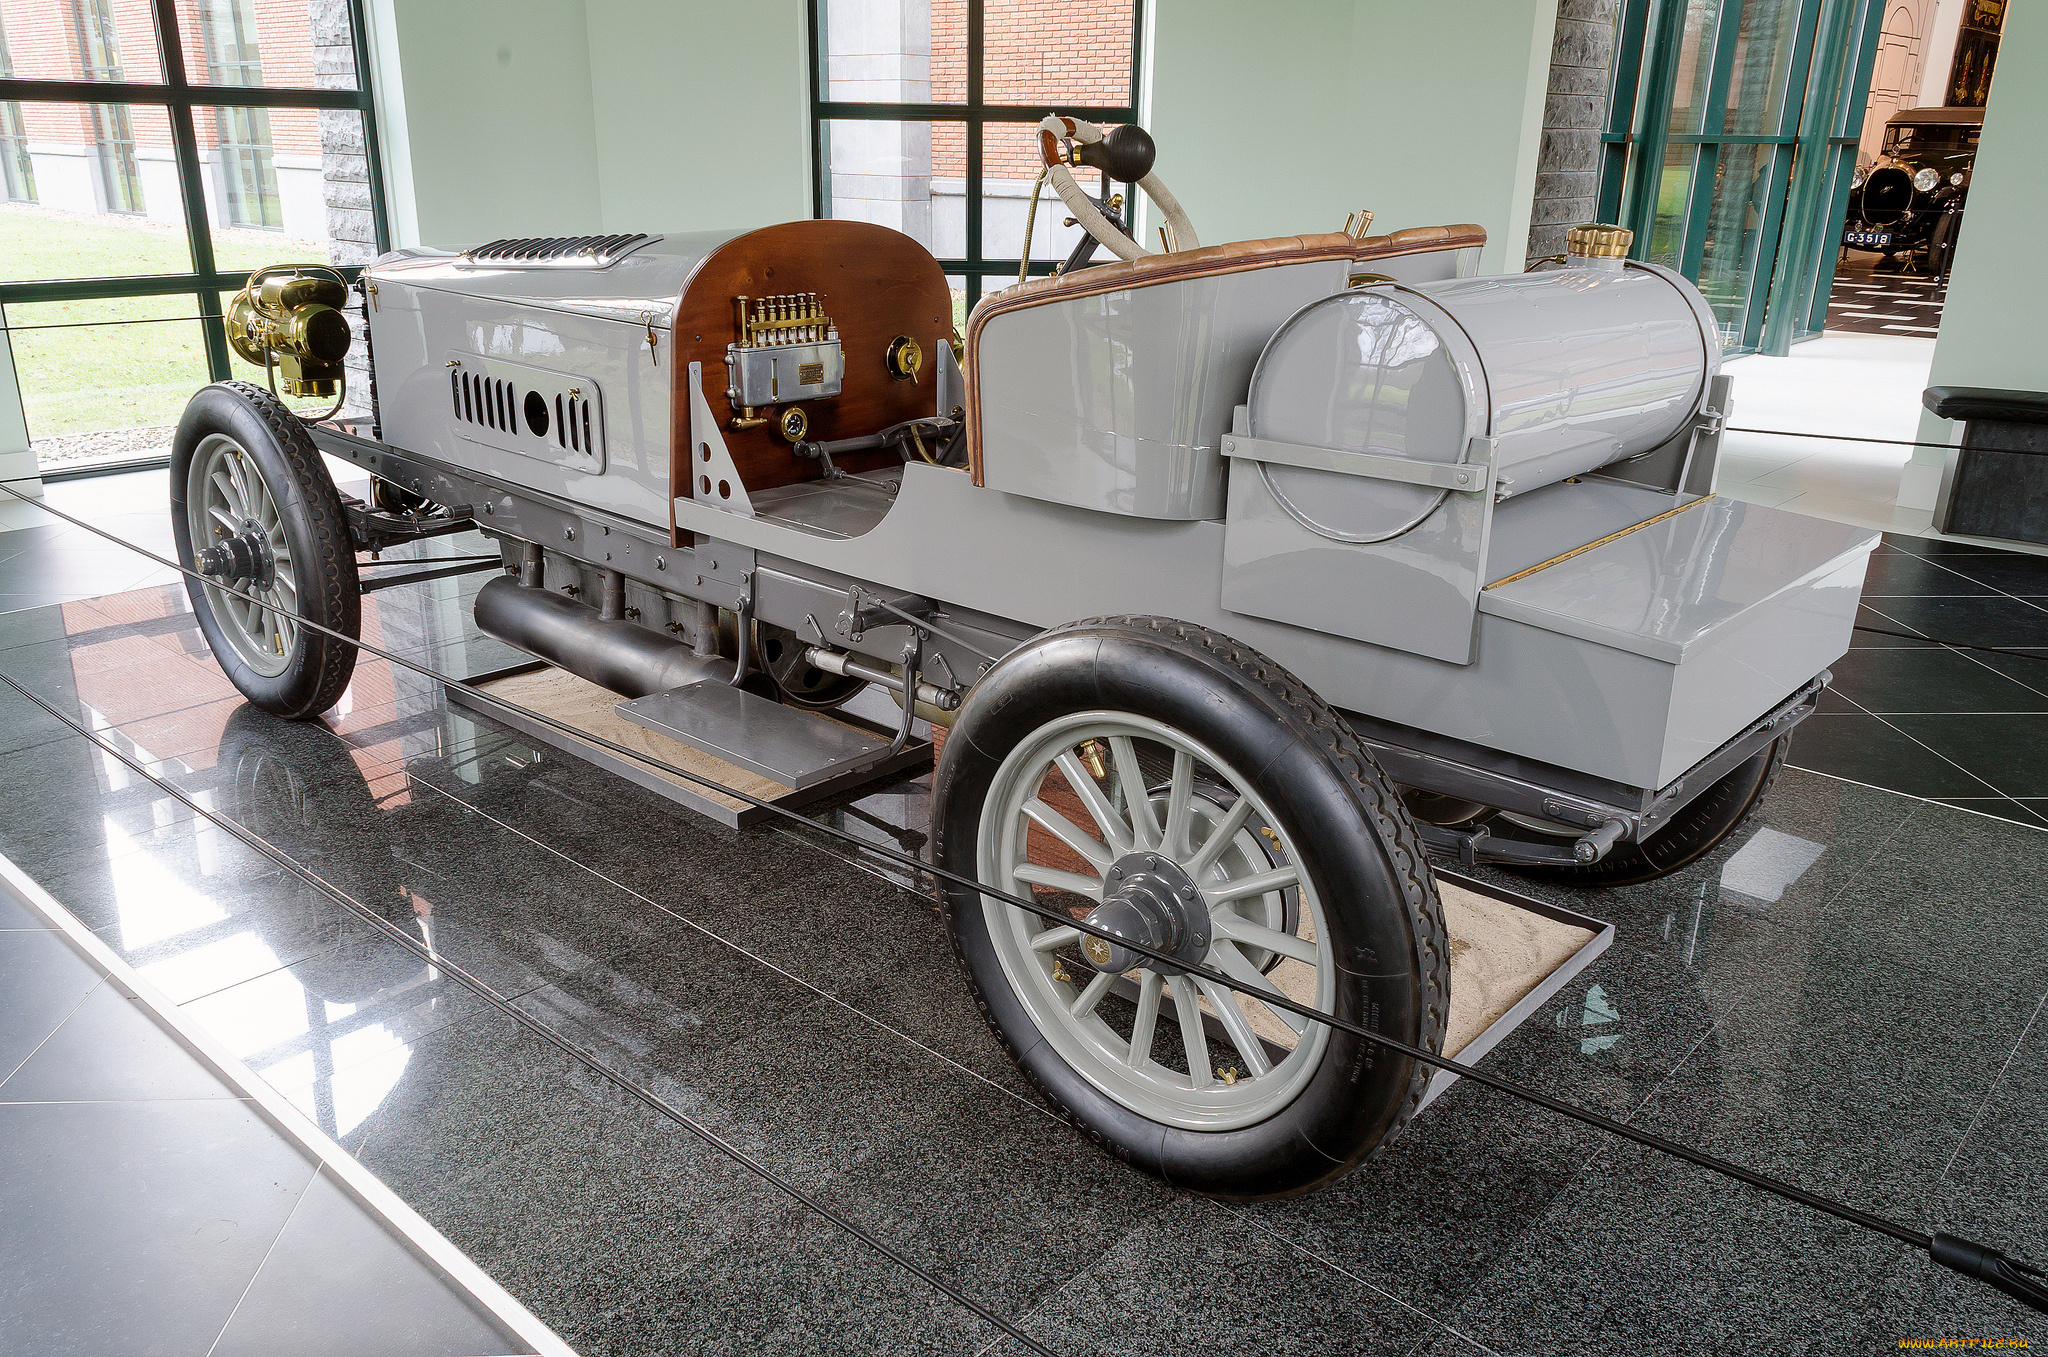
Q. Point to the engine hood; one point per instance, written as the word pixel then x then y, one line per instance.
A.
pixel 640 288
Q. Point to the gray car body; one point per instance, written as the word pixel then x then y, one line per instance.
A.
pixel 1608 683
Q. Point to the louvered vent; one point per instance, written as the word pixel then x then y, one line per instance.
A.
pixel 489 401
pixel 534 412
pixel 587 252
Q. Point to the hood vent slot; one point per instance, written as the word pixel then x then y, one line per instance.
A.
pixel 558 252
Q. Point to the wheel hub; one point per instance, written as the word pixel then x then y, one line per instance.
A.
pixel 245 556
pixel 1151 901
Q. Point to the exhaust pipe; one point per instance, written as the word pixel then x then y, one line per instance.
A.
pixel 612 653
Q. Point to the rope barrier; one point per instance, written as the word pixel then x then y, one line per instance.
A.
pixel 2020 1280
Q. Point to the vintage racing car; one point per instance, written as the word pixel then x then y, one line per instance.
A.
pixel 1241 577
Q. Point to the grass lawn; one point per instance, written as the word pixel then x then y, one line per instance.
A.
pixel 115 376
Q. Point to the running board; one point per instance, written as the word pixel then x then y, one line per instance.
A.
pixel 796 748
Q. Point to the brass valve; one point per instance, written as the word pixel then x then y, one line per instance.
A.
pixel 1598 240
pixel 904 359
pixel 293 318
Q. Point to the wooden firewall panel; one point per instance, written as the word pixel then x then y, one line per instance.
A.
pixel 875 283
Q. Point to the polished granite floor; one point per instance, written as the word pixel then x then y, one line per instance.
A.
pixel 1945 693
pixel 1849 994
pixel 208 1228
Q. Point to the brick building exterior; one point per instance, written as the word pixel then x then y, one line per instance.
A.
pixel 300 172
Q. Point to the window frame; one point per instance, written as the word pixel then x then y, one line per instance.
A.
pixel 178 95
pixel 974 114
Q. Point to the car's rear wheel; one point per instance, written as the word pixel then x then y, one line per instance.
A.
pixel 253 509
pixel 1701 826
pixel 1185 791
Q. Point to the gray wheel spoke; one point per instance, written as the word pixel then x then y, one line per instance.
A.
pixel 1187 1006
pixel 1219 838
pixel 1240 929
pixel 231 495
pixel 226 519
pixel 1151 985
pixel 1280 878
pixel 1058 936
pixel 1144 827
pixel 1112 825
pixel 1069 833
pixel 1233 1020
pixel 1090 996
pixel 1088 886
pixel 1205 817
pixel 1180 797
pixel 1226 958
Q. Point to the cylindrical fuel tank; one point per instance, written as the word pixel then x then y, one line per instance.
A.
pixel 1569 370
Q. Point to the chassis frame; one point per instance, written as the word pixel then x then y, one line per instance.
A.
pixel 833 609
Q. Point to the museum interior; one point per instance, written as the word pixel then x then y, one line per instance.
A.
pixel 1022 677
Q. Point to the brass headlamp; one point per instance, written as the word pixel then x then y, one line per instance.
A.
pixel 289 315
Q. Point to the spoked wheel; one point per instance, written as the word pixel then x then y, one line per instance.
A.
pixel 254 510
pixel 1183 792
pixel 1177 868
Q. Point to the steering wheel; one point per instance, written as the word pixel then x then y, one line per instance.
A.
pixel 1124 154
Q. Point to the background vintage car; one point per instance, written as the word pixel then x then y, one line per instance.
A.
pixel 1908 205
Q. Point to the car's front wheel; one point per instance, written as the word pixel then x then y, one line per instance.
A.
pixel 1186 792
pixel 254 510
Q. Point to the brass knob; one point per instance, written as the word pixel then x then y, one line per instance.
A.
pixel 1598 240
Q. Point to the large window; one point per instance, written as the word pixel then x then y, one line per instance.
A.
pixel 1730 140
pixel 153 152
pixel 923 113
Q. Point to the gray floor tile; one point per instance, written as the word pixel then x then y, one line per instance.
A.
pixel 337 1282
pixel 1193 1279
pixel 185 1200
pixel 42 981
pixel 110 1049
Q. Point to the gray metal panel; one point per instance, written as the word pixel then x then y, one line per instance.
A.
pixel 1530 529
pixel 1418 591
pixel 417 331
pixel 794 747
pixel 548 442
pixel 1664 591
pixel 1118 402
pixel 1565 701
pixel 649 281
pixel 1802 629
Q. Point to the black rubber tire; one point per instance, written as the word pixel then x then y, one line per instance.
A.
pixel 1697 830
pixel 315 527
pixel 1355 840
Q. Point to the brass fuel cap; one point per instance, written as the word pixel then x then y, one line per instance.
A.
pixel 1598 240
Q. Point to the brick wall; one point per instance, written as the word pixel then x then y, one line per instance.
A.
pixel 1055 53
pixel 1568 166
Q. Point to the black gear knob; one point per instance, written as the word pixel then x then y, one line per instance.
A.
pixel 1125 153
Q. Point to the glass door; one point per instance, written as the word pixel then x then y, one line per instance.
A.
pixel 1712 157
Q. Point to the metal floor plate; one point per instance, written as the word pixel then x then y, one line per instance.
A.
pixel 796 748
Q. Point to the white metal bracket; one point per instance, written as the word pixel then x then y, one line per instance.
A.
pixel 714 480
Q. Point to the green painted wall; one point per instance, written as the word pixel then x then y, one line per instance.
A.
pixel 702 112
pixel 554 116
pixel 1991 326
pixel 1280 118
pixel 487 115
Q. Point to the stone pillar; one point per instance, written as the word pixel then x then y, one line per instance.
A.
pixel 344 175
pixel 1568 165
pixel 881 51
